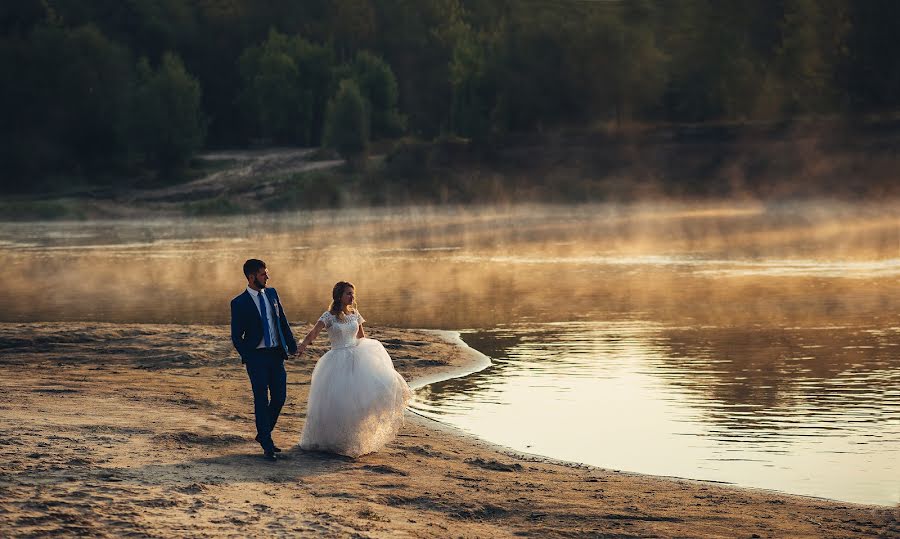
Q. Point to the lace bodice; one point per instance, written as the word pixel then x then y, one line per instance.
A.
pixel 342 333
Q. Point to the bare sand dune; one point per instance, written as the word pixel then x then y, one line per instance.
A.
pixel 254 174
pixel 146 430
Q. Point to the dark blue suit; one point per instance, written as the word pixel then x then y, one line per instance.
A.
pixel 265 366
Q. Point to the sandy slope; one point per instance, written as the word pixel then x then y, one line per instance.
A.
pixel 146 430
pixel 255 175
pixel 247 183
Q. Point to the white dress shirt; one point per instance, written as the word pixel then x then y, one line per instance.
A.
pixel 270 315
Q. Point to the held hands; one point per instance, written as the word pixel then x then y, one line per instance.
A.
pixel 310 337
pixel 300 350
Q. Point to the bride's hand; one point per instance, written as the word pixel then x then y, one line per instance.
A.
pixel 310 337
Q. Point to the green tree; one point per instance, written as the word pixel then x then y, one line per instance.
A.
pixel 870 72
pixel 640 72
pixel 474 90
pixel 22 16
pixel 720 53
pixel 315 64
pixel 168 126
pixel 276 93
pixel 416 38
pixel 806 57
pixel 352 25
pixel 96 77
pixel 612 63
pixel 378 86
pixel 346 124
pixel 286 82
pixel 146 27
pixel 63 100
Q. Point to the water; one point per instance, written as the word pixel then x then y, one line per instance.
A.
pixel 807 410
pixel 744 343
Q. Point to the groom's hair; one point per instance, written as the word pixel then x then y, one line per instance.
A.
pixel 252 266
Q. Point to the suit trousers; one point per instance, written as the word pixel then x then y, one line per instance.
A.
pixel 265 367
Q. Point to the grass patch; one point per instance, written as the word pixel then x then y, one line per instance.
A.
pixel 200 168
pixel 314 189
pixel 196 169
pixel 37 210
pixel 213 206
pixel 323 154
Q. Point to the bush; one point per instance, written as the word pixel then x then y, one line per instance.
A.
pixel 378 86
pixel 64 104
pixel 28 210
pixel 213 206
pixel 308 190
pixel 286 84
pixel 408 159
pixel 168 127
pixel 346 124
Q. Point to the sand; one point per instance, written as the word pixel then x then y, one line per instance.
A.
pixel 147 430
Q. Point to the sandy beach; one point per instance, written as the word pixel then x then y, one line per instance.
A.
pixel 147 431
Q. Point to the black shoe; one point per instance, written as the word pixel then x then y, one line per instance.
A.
pixel 274 447
pixel 270 456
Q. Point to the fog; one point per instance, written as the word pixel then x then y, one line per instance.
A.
pixel 810 263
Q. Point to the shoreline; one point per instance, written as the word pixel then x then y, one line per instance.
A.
pixel 109 429
pixel 481 361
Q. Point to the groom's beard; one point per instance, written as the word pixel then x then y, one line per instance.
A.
pixel 258 284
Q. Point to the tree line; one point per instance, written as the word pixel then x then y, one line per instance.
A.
pixel 102 88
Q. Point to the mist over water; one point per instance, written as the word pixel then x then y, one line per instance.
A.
pixel 743 342
pixel 455 268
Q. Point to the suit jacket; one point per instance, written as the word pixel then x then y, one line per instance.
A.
pixel 247 327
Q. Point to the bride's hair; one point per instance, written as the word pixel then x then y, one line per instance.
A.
pixel 336 293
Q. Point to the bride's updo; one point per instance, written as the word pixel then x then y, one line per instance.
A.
pixel 336 293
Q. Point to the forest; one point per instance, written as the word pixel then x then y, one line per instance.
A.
pixel 102 89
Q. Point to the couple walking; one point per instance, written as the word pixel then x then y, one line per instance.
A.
pixel 356 398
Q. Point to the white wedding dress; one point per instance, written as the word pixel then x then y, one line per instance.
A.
pixel 356 398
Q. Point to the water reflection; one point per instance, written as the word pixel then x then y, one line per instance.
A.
pixel 797 410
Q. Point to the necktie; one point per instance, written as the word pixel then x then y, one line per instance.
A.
pixel 267 339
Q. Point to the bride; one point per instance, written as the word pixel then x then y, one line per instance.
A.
pixel 356 398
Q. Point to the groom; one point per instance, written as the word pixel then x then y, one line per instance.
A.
pixel 262 336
